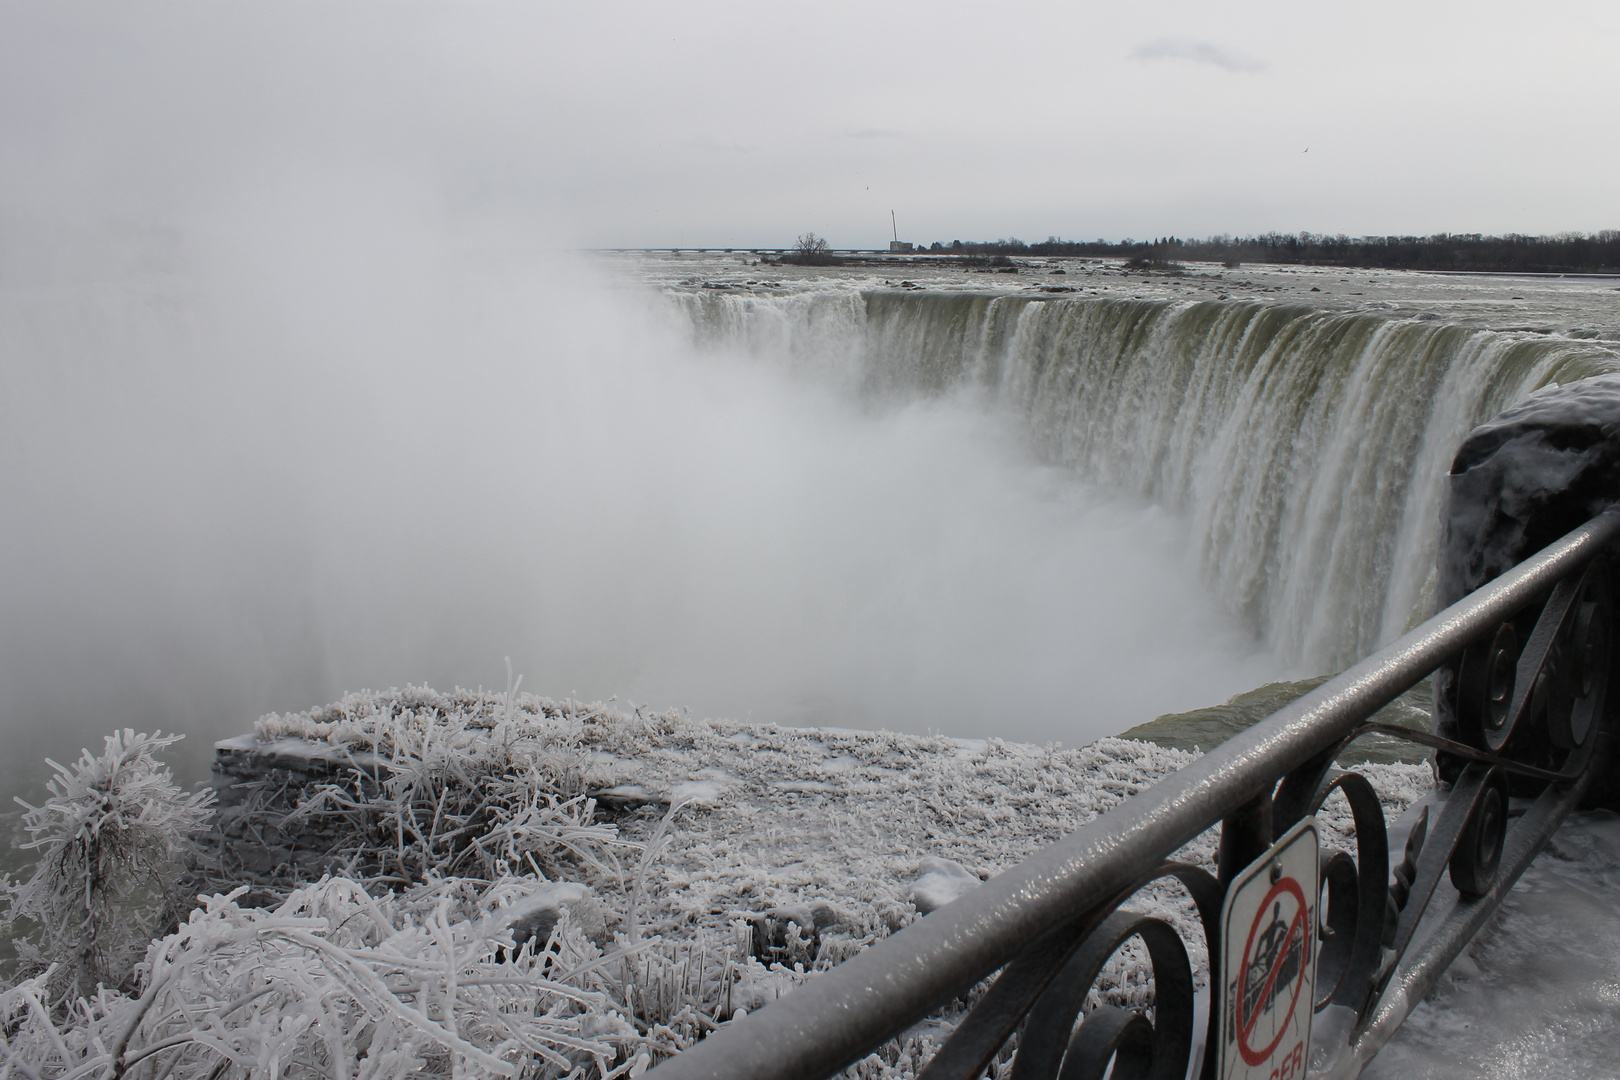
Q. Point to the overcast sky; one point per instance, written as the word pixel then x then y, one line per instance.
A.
pixel 641 123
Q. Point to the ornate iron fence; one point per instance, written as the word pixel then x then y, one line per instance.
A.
pixel 1531 735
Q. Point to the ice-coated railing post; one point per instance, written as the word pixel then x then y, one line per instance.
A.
pixel 1548 729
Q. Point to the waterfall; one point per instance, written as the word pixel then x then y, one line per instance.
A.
pixel 1306 448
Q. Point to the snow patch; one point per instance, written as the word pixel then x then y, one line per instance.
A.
pixel 941 881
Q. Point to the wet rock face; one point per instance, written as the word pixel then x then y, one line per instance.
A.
pixel 1524 479
pixel 257 838
pixel 1519 482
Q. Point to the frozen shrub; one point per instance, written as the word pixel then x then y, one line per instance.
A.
pixel 110 840
pixel 471 792
pixel 338 983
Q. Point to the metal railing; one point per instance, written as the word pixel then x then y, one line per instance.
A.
pixel 1533 736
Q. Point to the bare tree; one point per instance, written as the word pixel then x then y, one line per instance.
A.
pixel 812 250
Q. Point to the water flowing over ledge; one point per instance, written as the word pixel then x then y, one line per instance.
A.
pixel 1307 448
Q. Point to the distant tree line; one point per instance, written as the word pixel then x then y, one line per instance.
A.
pixel 1561 254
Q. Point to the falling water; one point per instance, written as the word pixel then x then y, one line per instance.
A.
pixel 1306 447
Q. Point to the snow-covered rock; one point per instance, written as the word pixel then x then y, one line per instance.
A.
pixel 1525 478
pixel 939 882
pixel 538 913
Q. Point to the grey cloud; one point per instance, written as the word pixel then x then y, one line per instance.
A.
pixel 873 133
pixel 716 142
pixel 1198 52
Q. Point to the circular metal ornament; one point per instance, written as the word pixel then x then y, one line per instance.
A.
pixel 1583 664
pixel 1112 1042
pixel 1479 848
pixel 1358 892
pixel 1156 1050
pixel 1336 927
pixel 1486 684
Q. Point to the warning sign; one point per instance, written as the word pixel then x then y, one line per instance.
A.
pixel 1268 961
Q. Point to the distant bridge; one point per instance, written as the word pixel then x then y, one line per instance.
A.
pixel 754 251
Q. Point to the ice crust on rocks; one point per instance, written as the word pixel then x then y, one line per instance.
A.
pixel 772 816
pixel 1527 477
pixel 790 849
pixel 538 913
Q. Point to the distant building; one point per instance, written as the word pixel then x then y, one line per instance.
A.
pixel 901 247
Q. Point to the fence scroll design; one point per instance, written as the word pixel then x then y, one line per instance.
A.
pixel 1526 660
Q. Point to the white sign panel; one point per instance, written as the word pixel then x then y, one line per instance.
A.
pixel 1268 961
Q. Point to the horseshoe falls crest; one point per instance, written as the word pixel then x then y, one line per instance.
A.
pixel 1306 448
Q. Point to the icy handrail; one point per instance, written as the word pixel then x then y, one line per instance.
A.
pixel 846 1013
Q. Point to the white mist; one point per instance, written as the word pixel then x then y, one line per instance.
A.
pixel 318 448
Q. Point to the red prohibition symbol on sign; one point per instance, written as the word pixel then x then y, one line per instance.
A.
pixel 1267 971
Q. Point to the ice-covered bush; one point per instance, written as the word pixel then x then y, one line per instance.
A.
pixel 109 842
pixel 464 792
pixel 338 983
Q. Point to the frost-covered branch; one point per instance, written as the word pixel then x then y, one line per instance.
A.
pixel 337 983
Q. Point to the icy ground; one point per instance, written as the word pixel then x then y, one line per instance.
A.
pixel 732 863
pixel 1538 992
pixel 824 840
pixel 750 818
pixel 847 828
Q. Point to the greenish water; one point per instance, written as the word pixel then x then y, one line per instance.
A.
pixel 1205 729
pixel 1303 449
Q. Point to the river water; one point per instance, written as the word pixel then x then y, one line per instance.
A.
pixel 1299 421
